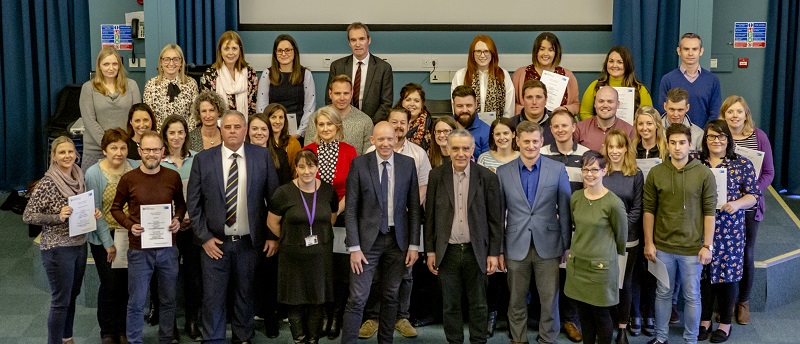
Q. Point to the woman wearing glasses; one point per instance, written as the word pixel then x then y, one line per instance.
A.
pixel 439 152
pixel 171 92
pixel 288 83
pixel 492 84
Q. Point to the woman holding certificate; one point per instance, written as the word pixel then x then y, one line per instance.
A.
pixel 720 277
pixel 617 72
pixel 492 84
pixel 546 57
pixel 302 214
pixel 736 113
pixel 63 255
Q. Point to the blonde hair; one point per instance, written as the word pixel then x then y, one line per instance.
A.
pixel 332 116
pixel 629 167
pixel 235 38
pixel 120 82
pixel 58 141
pixel 182 78
pixel 661 140
pixel 749 126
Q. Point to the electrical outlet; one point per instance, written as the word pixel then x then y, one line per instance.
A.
pixel 142 63
pixel 326 62
pixel 713 63
pixel 429 62
pixel 133 63
pixel 440 77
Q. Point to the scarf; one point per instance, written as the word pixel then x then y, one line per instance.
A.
pixel 530 73
pixel 229 89
pixel 418 130
pixel 328 157
pixel 68 185
pixel 495 94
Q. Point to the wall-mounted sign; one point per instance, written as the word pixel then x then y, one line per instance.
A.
pixel 750 34
pixel 118 36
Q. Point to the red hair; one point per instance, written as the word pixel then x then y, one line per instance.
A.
pixel 472 67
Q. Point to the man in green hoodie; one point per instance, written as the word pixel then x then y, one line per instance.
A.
pixel 680 198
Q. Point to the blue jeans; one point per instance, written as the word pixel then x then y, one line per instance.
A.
pixel 688 268
pixel 65 266
pixel 142 264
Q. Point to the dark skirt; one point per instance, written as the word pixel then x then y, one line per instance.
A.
pixel 305 274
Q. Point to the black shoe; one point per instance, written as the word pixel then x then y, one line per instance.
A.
pixel 492 323
pixel 176 334
pixel 656 341
pixel 334 329
pixel 674 318
pixel 649 327
pixel 271 327
pixel 193 331
pixel 702 333
pixel 622 336
pixel 720 336
pixel 533 324
pixel 635 327
pixel 422 322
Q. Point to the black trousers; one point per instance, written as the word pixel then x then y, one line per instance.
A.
pixel 460 274
pixel 189 256
pixel 112 297
pixel 622 311
pixel 725 296
pixel 596 323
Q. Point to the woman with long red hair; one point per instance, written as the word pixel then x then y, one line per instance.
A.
pixel 492 84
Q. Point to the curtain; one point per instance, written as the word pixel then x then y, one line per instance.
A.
pixel 781 91
pixel 200 23
pixel 650 29
pixel 45 46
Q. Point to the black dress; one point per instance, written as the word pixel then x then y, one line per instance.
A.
pixel 305 274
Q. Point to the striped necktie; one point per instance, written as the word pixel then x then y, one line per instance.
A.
pixel 232 192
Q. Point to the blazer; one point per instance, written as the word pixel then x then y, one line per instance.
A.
pixel 378 86
pixel 547 223
pixel 206 193
pixel 484 217
pixel 362 220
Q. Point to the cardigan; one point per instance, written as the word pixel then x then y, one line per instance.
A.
pixel 100 112
pixel 346 155
pixel 309 98
pixel 97 181
pixel 767 170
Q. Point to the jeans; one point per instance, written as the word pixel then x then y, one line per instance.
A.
pixel 65 266
pixel 142 264
pixel 112 296
pixel 688 268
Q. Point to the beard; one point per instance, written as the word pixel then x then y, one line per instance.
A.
pixel 151 164
pixel 465 122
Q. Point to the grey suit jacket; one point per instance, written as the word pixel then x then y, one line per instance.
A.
pixel 547 223
pixel 362 208
pixel 378 86
pixel 485 226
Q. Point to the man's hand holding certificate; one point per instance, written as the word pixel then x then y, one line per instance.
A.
pixel 157 226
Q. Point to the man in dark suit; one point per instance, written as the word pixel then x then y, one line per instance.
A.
pixel 372 77
pixel 463 236
pixel 228 191
pixel 389 241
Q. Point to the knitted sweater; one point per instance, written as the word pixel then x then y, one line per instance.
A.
pixel 705 94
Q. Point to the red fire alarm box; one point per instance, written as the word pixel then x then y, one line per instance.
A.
pixel 742 62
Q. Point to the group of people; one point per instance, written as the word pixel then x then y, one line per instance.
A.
pixel 259 181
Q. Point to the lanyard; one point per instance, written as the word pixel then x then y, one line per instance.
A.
pixel 313 207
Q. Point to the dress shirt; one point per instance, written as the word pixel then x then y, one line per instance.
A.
pixel 530 179
pixel 590 134
pixel 685 72
pixel 460 231
pixel 414 151
pixel 364 68
pixel 390 173
pixel 242 225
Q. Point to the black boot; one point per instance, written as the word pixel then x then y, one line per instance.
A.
pixel 492 323
pixel 271 327
pixel 622 336
pixel 635 327
pixel 298 333
pixel 649 327
pixel 193 331
pixel 314 324
pixel 335 322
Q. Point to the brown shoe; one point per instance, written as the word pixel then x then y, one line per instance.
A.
pixel 573 334
pixel 405 328
pixel 743 313
pixel 368 329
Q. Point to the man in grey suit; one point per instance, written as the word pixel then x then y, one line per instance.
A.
pixel 535 197
pixel 463 236
pixel 385 238
pixel 372 77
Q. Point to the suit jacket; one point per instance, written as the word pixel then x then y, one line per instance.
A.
pixel 484 217
pixel 362 219
pixel 378 85
pixel 206 193
pixel 547 223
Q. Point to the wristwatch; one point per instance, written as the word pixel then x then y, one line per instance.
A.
pixel 710 248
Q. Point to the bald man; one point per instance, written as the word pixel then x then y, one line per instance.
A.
pixel 592 132
pixel 389 242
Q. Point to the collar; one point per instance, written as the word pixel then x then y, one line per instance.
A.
pixel 381 160
pixel 545 116
pixel 226 153
pixel 685 71
pixel 554 148
pixel 474 124
pixel 597 123
pixel 364 62
pixel 466 170
pixel 537 164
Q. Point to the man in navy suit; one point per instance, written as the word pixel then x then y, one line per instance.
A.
pixel 228 191
pixel 382 220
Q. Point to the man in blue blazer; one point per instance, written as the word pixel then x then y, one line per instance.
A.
pixel 382 220
pixel 228 191
pixel 535 197
pixel 463 235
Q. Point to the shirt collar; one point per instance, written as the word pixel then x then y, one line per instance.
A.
pixel 535 166
pixel 226 153
pixel 466 170
pixel 380 160
pixel 554 148
pixel 685 71
pixel 364 62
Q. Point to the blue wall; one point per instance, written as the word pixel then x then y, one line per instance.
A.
pixel 113 12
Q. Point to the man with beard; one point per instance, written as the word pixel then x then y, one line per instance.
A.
pixel 357 125
pixel 399 118
pixel 592 132
pixel 150 185
pixel 464 110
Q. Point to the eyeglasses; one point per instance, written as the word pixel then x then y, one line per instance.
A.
pixel 442 132
pixel 482 53
pixel 591 170
pixel 721 138
pixel 167 60
pixel 151 150
pixel 284 51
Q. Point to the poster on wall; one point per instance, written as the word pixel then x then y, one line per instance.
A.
pixel 118 36
pixel 750 35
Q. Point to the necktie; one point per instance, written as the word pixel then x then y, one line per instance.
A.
pixel 232 192
pixel 357 86
pixel 385 197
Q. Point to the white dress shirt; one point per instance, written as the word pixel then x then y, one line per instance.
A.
pixel 242 224
pixel 364 67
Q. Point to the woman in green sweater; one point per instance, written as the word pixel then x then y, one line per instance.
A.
pixel 617 72
pixel 601 231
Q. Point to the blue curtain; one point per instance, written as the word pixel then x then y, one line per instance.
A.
pixel 45 46
pixel 200 23
pixel 781 92
pixel 650 29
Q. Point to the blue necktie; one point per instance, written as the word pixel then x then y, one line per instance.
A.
pixel 232 192
pixel 385 197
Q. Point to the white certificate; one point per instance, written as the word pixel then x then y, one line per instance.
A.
pixel 647 164
pixel 156 219
pixel 659 270
pixel 487 117
pixel 721 177
pixel 574 174
pixel 339 233
pixel 755 156
pixel 627 103
pixel 291 121
pixel 121 244
pixel 556 86
pixel 82 220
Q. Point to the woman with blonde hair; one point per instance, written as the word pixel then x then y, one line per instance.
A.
pixel 171 92
pixel 207 109
pixel 231 77
pixel 104 102
pixel 649 141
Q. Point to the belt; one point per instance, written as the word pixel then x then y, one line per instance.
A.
pixel 462 245
pixel 234 238
pixel 391 229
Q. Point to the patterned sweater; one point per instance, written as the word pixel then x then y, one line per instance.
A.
pixel 43 209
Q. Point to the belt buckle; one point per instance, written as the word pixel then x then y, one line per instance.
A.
pixel 235 238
